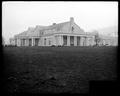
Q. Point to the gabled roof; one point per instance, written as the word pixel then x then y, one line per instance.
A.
pixel 35 31
pixel 60 27
pixel 55 26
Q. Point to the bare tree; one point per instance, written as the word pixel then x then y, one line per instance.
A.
pixel 97 38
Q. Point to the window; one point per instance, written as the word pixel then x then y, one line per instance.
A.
pixel 23 42
pixel 30 42
pixel 41 33
pixel 72 28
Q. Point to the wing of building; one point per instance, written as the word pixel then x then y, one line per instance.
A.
pixel 108 40
pixel 63 34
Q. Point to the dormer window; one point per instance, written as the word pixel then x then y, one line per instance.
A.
pixel 41 33
pixel 72 28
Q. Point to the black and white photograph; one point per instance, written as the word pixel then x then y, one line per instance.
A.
pixel 58 47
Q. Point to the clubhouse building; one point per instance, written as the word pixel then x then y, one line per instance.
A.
pixel 61 34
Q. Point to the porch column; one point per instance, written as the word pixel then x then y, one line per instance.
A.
pixel 39 42
pixel 61 39
pixel 20 42
pixel 87 43
pixel 25 42
pixel 103 42
pixel 75 40
pixel 54 40
pixel 81 41
pixel 32 41
pixel 84 40
pixel 68 40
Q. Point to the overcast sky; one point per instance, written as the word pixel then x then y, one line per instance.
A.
pixel 18 16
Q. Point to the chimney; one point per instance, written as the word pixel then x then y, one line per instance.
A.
pixel 54 23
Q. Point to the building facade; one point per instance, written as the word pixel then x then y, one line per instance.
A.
pixel 12 41
pixel 108 41
pixel 63 34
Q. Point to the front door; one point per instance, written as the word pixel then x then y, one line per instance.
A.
pixel 78 41
pixel 36 42
pixel 64 40
pixel 30 42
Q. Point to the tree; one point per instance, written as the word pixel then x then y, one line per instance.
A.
pixel 97 38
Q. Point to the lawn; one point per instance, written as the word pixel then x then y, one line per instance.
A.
pixel 57 69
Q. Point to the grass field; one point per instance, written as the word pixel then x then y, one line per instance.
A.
pixel 57 69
